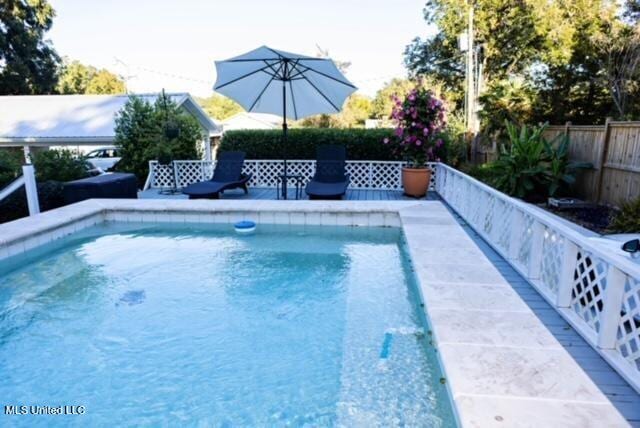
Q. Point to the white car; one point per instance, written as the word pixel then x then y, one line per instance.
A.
pixel 103 158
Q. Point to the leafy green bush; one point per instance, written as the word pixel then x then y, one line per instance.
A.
pixel 59 165
pixel 561 173
pixel 456 141
pixel 532 168
pixel 10 165
pixel 483 172
pixel 361 144
pixel 145 131
pixel 628 219
pixel 53 168
pixel 50 196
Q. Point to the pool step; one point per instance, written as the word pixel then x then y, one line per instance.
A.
pixel 21 286
pixel 383 365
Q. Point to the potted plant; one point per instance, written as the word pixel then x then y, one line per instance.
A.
pixel 420 119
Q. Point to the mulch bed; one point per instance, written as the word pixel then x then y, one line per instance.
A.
pixel 596 218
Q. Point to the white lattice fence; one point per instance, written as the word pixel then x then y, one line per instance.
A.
pixel 589 285
pixel 364 174
pixel 628 335
pixel 162 175
pixel 596 291
pixel 552 248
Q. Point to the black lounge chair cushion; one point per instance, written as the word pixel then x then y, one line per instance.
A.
pixel 318 188
pixel 227 175
pixel 330 179
pixel 205 189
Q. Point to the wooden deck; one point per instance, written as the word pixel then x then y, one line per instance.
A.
pixel 269 193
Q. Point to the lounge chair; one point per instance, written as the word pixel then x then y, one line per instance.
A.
pixel 227 175
pixel 330 180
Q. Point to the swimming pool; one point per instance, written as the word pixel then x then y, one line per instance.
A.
pixel 193 324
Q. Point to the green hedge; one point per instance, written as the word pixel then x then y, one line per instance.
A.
pixel 361 144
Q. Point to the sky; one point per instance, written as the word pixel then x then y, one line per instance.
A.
pixel 172 44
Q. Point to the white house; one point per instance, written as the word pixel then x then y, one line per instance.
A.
pixel 247 120
pixel 78 121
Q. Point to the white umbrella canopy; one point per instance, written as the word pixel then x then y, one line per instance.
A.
pixel 268 80
pixel 294 86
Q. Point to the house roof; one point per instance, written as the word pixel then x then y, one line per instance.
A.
pixel 76 119
pixel 250 120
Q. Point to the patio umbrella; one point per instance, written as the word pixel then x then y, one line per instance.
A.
pixel 295 86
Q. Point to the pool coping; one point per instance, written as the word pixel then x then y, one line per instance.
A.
pixel 502 366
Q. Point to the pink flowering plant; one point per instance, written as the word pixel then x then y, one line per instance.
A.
pixel 420 121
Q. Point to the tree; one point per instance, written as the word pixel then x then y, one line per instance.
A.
pixel 620 61
pixel 28 62
pixel 141 134
pixel 547 46
pixel 356 109
pixel 219 107
pixel 509 100
pixel 77 78
pixel 105 82
pixel 382 104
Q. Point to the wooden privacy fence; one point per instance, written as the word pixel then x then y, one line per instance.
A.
pixel 614 151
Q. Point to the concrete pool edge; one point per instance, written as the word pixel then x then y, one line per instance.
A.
pixel 503 367
pixel 496 375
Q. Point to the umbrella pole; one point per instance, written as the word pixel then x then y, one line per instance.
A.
pixel 284 133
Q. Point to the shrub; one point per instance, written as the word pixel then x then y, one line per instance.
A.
pixel 10 165
pixel 361 144
pixel 532 168
pixel 53 168
pixel 628 219
pixel 456 140
pixel 50 196
pixel 59 165
pixel 144 131
pixel 483 173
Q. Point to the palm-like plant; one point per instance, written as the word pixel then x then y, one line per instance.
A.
pixel 518 170
pixel 530 167
pixel 560 172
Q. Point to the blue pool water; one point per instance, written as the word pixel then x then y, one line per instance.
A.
pixel 196 325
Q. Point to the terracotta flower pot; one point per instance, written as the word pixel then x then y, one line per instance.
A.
pixel 416 181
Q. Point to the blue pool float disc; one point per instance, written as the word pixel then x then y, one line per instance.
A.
pixel 245 226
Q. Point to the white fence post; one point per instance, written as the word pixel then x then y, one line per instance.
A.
pixel 175 174
pixel 515 235
pixel 149 181
pixel 256 175
pixel 535 256
pixel 207 148
pixel 611 301
pixel 31 189
pixel 567 272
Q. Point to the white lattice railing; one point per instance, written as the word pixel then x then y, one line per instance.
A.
pixel 596 291
pixel 364 174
